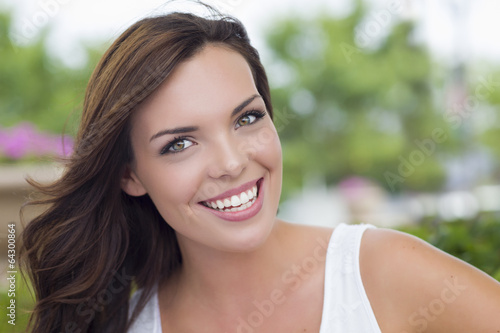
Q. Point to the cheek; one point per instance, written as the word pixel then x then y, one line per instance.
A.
pixel 172 186
pixel 267 147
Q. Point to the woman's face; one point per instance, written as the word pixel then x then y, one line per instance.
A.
pixel 207 153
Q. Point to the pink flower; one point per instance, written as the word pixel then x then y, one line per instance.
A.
pixel 25 140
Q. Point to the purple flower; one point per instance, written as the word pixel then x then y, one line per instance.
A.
pixel 25 140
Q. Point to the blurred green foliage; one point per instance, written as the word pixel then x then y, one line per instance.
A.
pixel 368 106
pixel 36 87
pixel 476 241
pixel 350 104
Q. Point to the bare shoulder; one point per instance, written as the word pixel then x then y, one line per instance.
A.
pixel 415 287
pixel 305 242
pixel 305 234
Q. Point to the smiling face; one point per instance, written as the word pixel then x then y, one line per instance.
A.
pixel 207 153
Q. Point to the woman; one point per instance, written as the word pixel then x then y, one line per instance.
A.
pixel 173 189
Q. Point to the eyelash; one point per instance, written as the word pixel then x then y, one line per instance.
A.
pixel 256 113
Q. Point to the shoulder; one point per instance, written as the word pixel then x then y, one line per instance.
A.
pixel 422 288
pixel 304 237
pixel 305 246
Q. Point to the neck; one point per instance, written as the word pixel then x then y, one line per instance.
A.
pixel 229 280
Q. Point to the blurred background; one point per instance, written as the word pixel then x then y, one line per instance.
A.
pixel 388 111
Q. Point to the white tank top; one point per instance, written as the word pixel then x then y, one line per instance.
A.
pixel 346 308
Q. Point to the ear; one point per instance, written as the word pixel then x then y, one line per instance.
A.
pixel 131 184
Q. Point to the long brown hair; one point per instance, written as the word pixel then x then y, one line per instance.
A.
pixel 94 243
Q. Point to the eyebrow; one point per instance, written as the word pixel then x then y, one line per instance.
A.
pixel 177 130
pixel 244 104
pixel 188 129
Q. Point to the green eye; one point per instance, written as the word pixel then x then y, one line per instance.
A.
pixel 179 145
pixel 245 120
pixel 249 117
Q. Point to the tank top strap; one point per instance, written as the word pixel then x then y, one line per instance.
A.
pixel 346 307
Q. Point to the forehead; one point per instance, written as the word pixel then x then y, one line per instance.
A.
pixel 215 79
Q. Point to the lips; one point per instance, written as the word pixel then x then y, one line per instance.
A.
pixel 237 204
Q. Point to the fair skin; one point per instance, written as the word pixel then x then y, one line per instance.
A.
pixel 226 143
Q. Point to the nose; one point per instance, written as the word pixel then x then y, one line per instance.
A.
pixel 228 158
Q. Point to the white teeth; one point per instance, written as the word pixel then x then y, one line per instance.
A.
pixel 244 198
pixel 235 209
pixel 220 204
pixel 236 202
